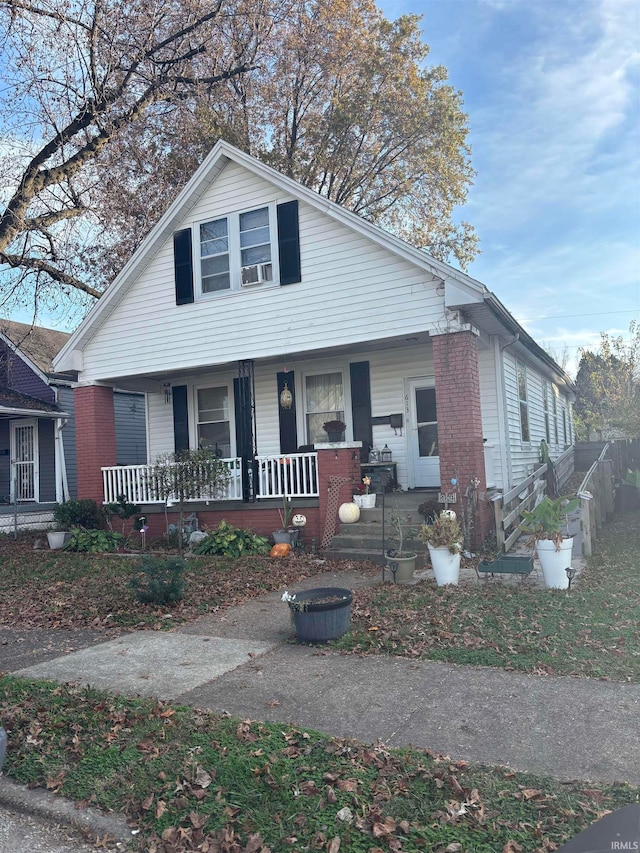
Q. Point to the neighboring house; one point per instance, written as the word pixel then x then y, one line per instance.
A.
pixel 251 285
pixel 37 428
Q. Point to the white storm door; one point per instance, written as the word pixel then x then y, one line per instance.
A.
pixel 424 459
pixel 24 461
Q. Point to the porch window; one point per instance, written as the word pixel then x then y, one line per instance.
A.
pixel 524 402
pixel 213 420
pixel 236 251
pixel 324 402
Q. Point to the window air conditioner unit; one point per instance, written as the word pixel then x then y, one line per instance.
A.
pixel 256 274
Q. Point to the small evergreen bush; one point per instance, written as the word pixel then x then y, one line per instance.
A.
pixel 229 541
pixel 159 580
pixel 73 513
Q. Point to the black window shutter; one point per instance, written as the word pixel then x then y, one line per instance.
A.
pixel 183 266
pixel 288 430
pixel 244 423
pixel 361 406
pixel 289 242
pixel 180 418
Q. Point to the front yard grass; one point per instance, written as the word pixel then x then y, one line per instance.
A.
pixel 190 780
pixel 593 630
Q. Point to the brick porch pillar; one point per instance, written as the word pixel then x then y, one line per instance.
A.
pixel 95 438
pixel 343 462
pixel 460 439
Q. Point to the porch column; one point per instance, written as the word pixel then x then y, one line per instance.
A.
pixel 460 439
pixel 338 472
pixel 95 438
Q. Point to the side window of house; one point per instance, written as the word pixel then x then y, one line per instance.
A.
pixel 555 413
pixel 236 251
pixel 324 401
pixel 564 425
pixel 524 402
pixel 213 420
pixel 545 409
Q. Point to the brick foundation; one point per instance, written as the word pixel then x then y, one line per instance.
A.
pixel 95 438
pixel 460 439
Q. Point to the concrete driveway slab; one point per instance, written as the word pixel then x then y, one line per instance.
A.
pixel 150 663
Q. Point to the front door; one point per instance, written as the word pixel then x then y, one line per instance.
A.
pixel 24 461
pixel 422 433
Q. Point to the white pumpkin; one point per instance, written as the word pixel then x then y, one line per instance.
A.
pixel 349 513
pixel 299 520
pixel 447 513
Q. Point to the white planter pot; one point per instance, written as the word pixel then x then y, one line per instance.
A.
pixel 57 538
pixel 349 513
pixel 365 501
pixel 554 564
pixel 446 566
pixel 404 569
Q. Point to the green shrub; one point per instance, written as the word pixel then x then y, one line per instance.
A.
pixel 229 541
pixel 159 580
pixel 94 541
pixel 73 513
pixel 121 509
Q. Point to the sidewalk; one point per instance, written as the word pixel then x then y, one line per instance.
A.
pixel 240 662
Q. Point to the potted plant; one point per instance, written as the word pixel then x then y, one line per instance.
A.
pixel 73 513
pixel 444 541
pixel 320 614
pixel 546 524
pixel 287 533
pixel 400 564
pixel 334 430
pixel 362 496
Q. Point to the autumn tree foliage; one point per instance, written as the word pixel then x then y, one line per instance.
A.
pixel 75 78
pixel 608 388
pixel 133 97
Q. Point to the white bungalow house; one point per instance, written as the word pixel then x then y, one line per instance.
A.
pixel 252 285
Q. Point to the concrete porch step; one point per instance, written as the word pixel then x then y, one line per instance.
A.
pixel 369 555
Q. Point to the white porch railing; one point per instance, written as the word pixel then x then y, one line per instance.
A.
pixel 294 475
pixel 138 485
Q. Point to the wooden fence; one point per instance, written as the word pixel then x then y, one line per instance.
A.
pixel 597 495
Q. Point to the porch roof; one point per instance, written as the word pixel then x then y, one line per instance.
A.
pixel 15 404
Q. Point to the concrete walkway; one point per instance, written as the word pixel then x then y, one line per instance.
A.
pixel 242 662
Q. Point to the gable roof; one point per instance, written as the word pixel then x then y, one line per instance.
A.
pixel 461 290
pixel 14 402
pixel 38 344
pixel 196 187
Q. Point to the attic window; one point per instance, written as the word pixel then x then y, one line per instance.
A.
pixel 236 251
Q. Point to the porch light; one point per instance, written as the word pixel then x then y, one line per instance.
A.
pixel 385 456
pixel 166 387
pixel 286 397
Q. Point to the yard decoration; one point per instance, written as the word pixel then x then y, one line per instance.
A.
pixel 546 525
pixel 444 541
pixel 362 497
pixel 280 549
pixel 320 615
pixel 349 513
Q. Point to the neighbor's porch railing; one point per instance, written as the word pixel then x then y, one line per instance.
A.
pixel 139 486
pixel 294 475
pixel 597 495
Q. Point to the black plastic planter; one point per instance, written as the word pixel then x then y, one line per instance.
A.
pixel 321 614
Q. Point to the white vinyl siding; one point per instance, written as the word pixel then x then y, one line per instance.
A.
pixel 352 290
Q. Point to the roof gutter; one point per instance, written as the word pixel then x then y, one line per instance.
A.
pixel 31 413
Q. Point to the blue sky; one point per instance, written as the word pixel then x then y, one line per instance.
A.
pixel 551 90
